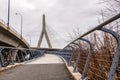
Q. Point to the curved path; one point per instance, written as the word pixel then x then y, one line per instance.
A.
pixel 48 67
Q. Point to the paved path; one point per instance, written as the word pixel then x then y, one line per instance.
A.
pixel 47 59
pixel 49 67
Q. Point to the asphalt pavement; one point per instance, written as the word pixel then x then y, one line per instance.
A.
pixel 49 67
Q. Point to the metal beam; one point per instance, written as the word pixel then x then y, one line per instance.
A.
pixel 11 56
pixel 78 58
pixel 73 50
pixel 88 58
pixel 2 58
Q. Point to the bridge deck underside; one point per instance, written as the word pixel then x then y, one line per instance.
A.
pixel 53 70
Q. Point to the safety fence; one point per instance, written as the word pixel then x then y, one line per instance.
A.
pixel 9 55
pixel 96 54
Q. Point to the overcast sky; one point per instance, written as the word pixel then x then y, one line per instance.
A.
pixel 62 16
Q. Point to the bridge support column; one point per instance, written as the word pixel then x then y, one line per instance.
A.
pixel 116 55
pixel 88 58
pixel 78 58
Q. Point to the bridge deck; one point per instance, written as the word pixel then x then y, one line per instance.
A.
pixel 49 67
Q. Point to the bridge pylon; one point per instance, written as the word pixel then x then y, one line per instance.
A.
pixel 44 32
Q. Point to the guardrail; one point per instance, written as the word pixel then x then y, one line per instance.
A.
pixel 11 55
pixel 86 62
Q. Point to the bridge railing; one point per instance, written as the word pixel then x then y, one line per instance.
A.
pixel 96 63
pixel 11 55
pixel 3 22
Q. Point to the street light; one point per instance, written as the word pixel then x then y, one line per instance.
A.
pixel 21 22
pixel 8 13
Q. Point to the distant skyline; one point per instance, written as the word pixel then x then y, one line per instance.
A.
pixel 62 16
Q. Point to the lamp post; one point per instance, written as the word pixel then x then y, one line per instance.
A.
pixel 8 13
pixel 21 22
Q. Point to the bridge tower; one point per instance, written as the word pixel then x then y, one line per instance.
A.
pixel 44 32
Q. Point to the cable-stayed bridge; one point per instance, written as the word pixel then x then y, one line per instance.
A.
pixel 81 59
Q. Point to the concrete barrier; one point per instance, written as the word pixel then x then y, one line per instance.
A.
pixel 9 67
pixel 75 75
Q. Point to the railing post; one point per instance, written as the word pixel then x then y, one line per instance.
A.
pixel 31 55
pixel 2 58
pixel 69 63
pixel 18 57
pixel 25 55
pixel 63 53
pixel 88 58
pixel 116 55
pixel 78 58
pixel 11 57
pixel 22 56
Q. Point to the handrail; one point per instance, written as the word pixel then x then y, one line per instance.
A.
pixel 23 53
pixel 116 57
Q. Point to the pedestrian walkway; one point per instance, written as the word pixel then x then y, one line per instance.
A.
pixel 47 59
pixel 49 67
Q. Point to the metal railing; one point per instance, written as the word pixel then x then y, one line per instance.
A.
pixel 92 66
pixel 11 55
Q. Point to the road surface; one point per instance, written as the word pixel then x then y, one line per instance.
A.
pixel 49 67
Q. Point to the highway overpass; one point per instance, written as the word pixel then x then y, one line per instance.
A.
pixel 10 38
